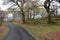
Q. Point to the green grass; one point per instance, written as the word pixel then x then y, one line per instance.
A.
pixel 39 30
pixel 5 32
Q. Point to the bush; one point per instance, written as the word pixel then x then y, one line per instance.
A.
pixel 36 21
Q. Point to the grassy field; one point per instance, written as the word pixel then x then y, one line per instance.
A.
pixel 39 30
pixel 4 33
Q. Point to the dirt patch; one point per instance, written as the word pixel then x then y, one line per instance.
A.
pixel 17 21
pixel 51 36
pixel 2 29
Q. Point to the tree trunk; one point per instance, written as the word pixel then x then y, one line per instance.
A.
pixel 48 10
pixel 30 15
pixel 33 16
pixel 23 18
pixel 49 18
pixel 1 21
pixel 23 15
pixel 22 12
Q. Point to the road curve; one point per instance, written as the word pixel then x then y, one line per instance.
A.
pixel 17 33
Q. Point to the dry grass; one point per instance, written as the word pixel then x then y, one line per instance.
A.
pixel 55 35
pixel 3 31
pixel 39 30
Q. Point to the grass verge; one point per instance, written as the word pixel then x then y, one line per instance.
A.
pixel 6 29
pixel 39 30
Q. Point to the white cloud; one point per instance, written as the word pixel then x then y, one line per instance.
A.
pixel 5 7
pixel 1 3
pixel 42 0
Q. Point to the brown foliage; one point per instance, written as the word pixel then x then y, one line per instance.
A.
pixel 2 30
pixel 51 36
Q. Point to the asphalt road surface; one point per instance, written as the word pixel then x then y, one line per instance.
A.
pixel 17 33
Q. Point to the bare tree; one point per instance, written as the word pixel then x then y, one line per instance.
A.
pixel 33 7
pixel 21 7
pixel 47 7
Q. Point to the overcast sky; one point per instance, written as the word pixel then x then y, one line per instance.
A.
pixel 6 6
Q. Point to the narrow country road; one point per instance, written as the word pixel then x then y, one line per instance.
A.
pixel 17 33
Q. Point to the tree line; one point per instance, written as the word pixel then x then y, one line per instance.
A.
pixel 33 6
